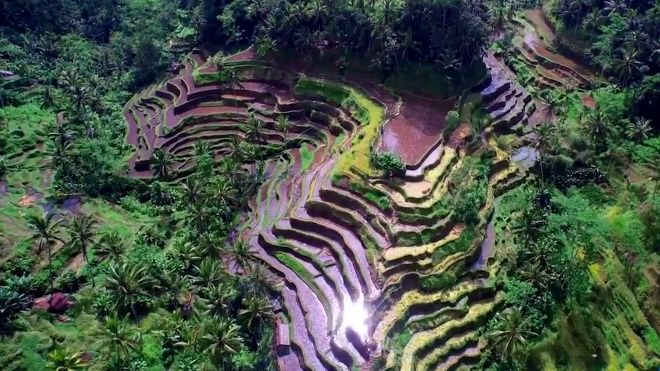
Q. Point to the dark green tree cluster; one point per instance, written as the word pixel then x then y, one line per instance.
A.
pixel 624 39
pixel 447 34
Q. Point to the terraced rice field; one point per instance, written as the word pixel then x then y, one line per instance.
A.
pixel 351 248
pixel 535 48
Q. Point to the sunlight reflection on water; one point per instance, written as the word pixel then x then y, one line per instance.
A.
pixel 355 317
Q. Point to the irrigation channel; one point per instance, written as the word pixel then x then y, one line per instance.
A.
pixel 349 247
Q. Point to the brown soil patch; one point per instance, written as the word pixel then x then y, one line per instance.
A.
pixel 543 113
pixel 76 263
pixel 246 55
pixel 457 138
pixel 417 128
pixel 28 200
pixel 588 101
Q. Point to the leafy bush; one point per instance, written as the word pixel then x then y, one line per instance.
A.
pixel 453 119
pixel 68 281
pixel 438 282
pixel 388 162
pixel 11 304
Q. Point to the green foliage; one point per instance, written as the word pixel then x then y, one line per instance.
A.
pixel 388 162
pixel 453 119
pixel 438 282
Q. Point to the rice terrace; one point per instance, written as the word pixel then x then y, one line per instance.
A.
pixel 256 185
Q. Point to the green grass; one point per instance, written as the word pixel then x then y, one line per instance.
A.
pixel 306 156
pixel 370 113
pixel 459 245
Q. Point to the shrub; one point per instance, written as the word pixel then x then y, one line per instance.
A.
pixel 438 282
pixel 453 120
pixel 68 281
pixel 388 162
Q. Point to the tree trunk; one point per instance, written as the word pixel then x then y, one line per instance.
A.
pixel 50 273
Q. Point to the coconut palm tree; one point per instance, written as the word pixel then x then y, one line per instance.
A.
pixel 64 360
pixel 219 299
pixel 225 191
pixel 208 273
pixel 192 190
pixel 200 148
pixel 128 283
pixel 258 280
pixel 111 245
pixel 614 7
pixel 241 255
pixel 221 340
pixel 510 333
pixel 83 232
pixel 254 130
pixel 187 253
pixel 161 163
pixel 283 124
pixel 46 230
pixel 654 166
pixel 638 129
pixel 233 80
pixel 595 127
pixel 199 216
pixel 256 311
pixel 235 148
pixel 117 338
pixel 628 65
pixel 57 156
pixel 304 41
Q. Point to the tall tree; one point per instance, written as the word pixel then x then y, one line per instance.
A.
pixel 83 232
pixel 221 340
pixel 46 230
pixel 161 163
pixel 510 333
pixel 128 283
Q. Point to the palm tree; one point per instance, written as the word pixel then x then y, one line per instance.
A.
pixel 208 273
pixel 304 41
pixel 615 7
pixel 219 299
pixel 221 340
pixel 128 283
pixel 161 163
pixel 628 65
pixel 192 190
pixel 241 255
pixel 225 191
pixel 199 216
pixel 187 253
pixel 173 284
pixel 528 224
pixel 258 280
pixel 57 155
pixel 544 132
pixel 408 46
pixel 638 129
pixel 595 127
pixel 654 166
pixel 111 245
pixel 46 230
pixel 283 124
pixel 235 148
pixel 318 11
pixel 200 148
pixel 117 337
pixel 254 130
pixel 82 231
pixel 256 311
pixel 64 360
pixel 233 80
pixel 510 333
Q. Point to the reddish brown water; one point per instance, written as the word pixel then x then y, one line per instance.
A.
pixel 417 128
